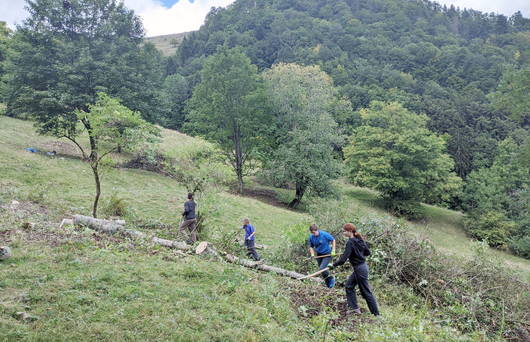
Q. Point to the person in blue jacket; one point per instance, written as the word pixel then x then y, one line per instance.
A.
pixel 250 234
pixel 322 243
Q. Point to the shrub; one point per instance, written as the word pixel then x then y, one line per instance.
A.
pixel 521 245
pixel 472 295
pixel 152 160
pixel 404 208
pixel 116 206
pixel 492 227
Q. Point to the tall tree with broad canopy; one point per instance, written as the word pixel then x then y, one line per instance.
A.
pixel 227 107
pixel 66 52
pixel 512 95
pixel 302 152
pixel 394 152
pixel 110 126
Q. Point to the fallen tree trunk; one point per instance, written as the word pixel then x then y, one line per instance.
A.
pixel 104 226
pixel 112 227
pixel 262 267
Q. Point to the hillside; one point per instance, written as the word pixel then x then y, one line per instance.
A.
pixel 167 44
pixel 431 58
pixel 120 289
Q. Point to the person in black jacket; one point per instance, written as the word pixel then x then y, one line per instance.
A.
pixel 356 251
pixel 189 219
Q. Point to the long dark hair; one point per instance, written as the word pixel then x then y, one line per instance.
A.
pixel 350 227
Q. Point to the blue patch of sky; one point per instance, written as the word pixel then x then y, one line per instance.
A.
pixel 170 3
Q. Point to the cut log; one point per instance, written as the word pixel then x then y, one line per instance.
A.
pixel 262 267
pixel 171 244
pixel 103 226
pixel 201 247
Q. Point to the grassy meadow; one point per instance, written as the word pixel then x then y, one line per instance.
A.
pixel 81 285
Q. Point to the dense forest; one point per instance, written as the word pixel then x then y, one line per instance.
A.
pixel 419 101
pixel 435 60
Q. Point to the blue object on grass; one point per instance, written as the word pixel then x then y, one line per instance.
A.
pixel 31 149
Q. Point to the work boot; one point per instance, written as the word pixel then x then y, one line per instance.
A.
pixel 331 282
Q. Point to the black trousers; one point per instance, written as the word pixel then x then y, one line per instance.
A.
pixel 360 277
pixel 251 249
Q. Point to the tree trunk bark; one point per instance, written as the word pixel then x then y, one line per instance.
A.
pixel 300 190
pixel 239 158
pixel 98 190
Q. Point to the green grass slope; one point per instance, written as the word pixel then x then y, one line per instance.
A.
pixel 86 286
pixel 167 44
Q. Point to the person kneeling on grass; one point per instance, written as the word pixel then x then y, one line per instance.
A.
pixel 356 251
pixel 250 234
pixel 319 248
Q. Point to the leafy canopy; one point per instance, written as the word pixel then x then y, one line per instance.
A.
pixel 394 153
pixel 305 132
pixel 67 51
pixel 227 107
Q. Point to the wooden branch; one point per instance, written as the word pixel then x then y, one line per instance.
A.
pixel 78 145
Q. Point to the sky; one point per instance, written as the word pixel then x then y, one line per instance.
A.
pixel 174 16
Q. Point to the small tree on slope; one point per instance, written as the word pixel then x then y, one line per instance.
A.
pixel 110 126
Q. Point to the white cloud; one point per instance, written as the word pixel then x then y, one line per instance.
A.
pixel 158 20
pixel 182 17
pixel 506 7
pixel 12 11
pixel 185 16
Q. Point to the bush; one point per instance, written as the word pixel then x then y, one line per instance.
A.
pixel 521 246
pixel 409 209
pixel 116 206
pixel 152 160
pixel 492 227
pixel 472 295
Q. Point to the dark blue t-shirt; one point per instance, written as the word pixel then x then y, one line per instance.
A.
pixel 321 243
pixel 248 230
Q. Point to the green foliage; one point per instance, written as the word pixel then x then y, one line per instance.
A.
pixel 472 295
pixel 511 95
pixel 110 127
pixel 433 59
pixel 116 206
pixel 394 153
pixel 175 92
pixel 227 108
pixel 63 55
pixel 492 227
pixel 305 133
pixel 5 35
pixel 497 198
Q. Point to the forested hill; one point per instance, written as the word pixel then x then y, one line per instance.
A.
pixel 436 60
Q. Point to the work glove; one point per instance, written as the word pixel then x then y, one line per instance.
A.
pixel 330 266
pixel 333 253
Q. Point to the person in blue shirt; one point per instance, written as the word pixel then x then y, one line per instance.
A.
pixel 322 243
pixel 250 234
